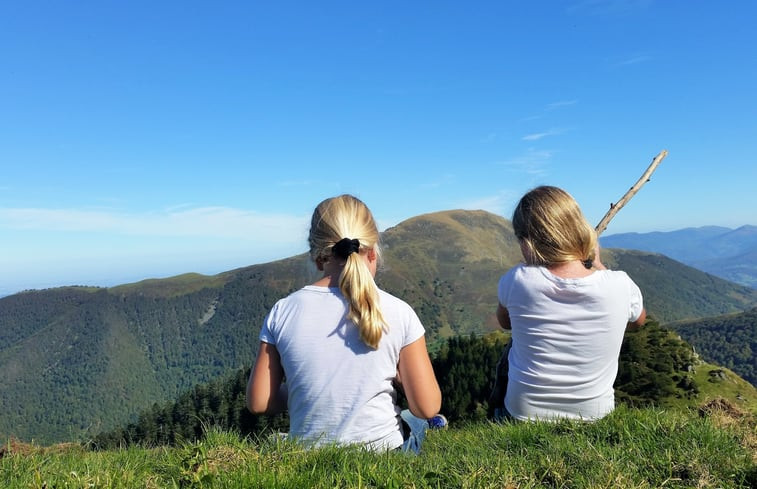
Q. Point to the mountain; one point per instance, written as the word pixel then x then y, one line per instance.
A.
pixel 729 340
pixel 727 253
pixel 447 265
pixel 75 361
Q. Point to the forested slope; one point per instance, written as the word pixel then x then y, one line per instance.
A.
pixel 99 356
pixel 729 340
pixel 656 368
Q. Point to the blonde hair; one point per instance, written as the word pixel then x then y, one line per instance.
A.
pixel 335 219
pixel 551 226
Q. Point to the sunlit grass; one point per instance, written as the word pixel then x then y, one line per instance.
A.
pixel 630 449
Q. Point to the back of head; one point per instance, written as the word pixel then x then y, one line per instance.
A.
pixel 551 226
pixel 335 220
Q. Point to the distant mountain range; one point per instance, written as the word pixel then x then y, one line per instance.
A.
pixel 726 253
pixel 75 361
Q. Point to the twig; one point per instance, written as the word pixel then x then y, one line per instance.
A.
pixel 614 208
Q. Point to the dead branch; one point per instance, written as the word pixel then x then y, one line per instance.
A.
pixel 614 208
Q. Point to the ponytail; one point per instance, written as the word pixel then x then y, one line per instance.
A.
pixel 360 290
pixel 332 220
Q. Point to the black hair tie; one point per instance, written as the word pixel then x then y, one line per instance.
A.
pixel 345 247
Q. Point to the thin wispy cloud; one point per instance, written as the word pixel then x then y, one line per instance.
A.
pixel 209 222
pixel 496 204
pixel 535 136
pixel 561 104
pixel 548 108
pixel 605 7
pixel 634 60
pixel 541 135
pixel 534 163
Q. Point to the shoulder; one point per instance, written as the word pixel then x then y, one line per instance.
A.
pixel 389 301
pixel 519 272
pixel 616 275
pixel 618 278
pixel 310 292
pixel 304 295
pixel 398 312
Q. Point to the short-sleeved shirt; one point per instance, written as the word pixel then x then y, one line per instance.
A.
pixel 567 335
pixel 340 390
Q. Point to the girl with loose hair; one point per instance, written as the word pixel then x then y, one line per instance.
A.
pixel 567 313
pixel 552 229
pixel 343 344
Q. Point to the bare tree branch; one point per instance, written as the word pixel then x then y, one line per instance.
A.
pixel 614 208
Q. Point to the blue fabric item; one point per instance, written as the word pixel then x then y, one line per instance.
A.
pixel 418 427
pixel 501 414
pixel 437 422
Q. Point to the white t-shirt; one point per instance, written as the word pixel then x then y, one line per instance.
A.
pixel 340 390
pixel 566 335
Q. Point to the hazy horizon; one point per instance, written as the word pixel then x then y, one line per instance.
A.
pixel 134 277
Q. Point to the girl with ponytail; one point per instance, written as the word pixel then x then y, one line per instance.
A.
pixel 342 344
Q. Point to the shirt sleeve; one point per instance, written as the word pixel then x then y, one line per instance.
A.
pixel 415 329
pixel 504 286
pixel 267 331
pixel 636 302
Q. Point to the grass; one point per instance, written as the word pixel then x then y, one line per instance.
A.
pixel 728 385
pixel 713 448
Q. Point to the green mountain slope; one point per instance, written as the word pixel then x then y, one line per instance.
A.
pixel 674 291
pixel 729 340
pixel 75 361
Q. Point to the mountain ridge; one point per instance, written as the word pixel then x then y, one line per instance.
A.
pixel 99 355
pixel 724 252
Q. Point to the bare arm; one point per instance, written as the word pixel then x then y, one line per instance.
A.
pixel 265 392
pixel 639 322
pixel 597 262
pixel 418 380
pixel 503 317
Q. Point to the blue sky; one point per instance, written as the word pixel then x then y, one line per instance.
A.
pixel 147 139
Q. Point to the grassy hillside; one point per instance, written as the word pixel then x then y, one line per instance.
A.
pixel 99 356
pixel 729 340
pixel 713 447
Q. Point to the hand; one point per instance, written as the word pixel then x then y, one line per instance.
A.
pixel 597 262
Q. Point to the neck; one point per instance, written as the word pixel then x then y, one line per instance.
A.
pixel 328 281
pixel 332 269
pixel 570 269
